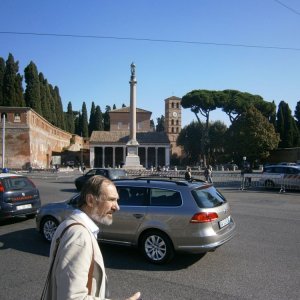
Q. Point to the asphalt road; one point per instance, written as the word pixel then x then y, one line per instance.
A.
pixel 261 262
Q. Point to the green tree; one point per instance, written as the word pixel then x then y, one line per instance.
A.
pixel 251 135
pixel 92 118
pixel 160 127
pixel 70 123
pixel 286 127
pixel 297 114
pixel 32 91
pixel 19 91
pixel 11 83
pixel 188 137
pixel 98 119
pixel 217 132
pixel 202 102
pixel 2 70
pixel 84 122
pixel 44 97
pixel 106 119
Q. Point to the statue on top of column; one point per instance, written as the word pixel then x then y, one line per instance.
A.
pixel 132 66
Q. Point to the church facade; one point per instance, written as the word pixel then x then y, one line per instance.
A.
pixel 108 148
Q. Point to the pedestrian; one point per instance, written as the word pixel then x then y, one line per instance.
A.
pixel 208 174
pixel 188 174
pixel 245 169
pixel 77 268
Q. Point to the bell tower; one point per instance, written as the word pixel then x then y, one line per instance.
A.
pixel 173 122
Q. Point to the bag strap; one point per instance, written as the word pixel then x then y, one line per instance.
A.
pixel 57 242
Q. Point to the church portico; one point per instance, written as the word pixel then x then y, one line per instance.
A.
pixel 114 156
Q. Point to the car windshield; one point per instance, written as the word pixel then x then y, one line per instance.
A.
pixel 208 197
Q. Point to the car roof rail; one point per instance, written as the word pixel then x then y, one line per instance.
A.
pixel 176 179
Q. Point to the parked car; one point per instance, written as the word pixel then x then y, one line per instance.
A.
pixel 281 175
pixel 106 172
pixel 159 216
pixel 18 196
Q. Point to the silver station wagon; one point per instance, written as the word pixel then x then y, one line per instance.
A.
pixel 160 216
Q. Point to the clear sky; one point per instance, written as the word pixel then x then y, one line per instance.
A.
pixel 266 62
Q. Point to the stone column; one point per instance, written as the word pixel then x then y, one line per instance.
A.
pixel 103 157
pixel 114 156
pixel 92 157
pixel 132 159
pixel 167 156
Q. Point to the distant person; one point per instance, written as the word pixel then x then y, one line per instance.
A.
pixel 188 174
pixel 245 169
pixel 208 174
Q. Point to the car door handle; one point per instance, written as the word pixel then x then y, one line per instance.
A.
pixel 138 216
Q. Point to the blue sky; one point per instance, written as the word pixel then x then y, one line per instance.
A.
pixel 98 69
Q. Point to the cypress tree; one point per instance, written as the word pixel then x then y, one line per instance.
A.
pixel 106 120
pixel 286 127
pixel 98 119
pixel 53 105
pixel 59 109
pixel 297 114
pixel 78 124
pixel 70 124
pixel 85 128
pixel 20 101
pixel 92 119
pixel 44 97
pixel 32 91
pixel 2 70
pixel 9 81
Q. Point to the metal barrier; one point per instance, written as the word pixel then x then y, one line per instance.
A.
pixel 233 179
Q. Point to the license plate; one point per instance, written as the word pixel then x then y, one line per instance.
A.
pixel 224 222
pixel 25 206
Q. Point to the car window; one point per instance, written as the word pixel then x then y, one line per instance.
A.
pixel 91 173
pixel 17 183
pixel 133 196
pixel 102 173
pixel 74 201
pixel 162 197
pixel 208 197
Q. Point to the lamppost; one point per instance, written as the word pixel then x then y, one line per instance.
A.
pixel 3 116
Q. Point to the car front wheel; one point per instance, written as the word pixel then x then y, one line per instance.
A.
pixel 48 228
pixel 157 247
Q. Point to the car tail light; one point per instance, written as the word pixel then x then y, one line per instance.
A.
pixel 204 217
pixel 2 189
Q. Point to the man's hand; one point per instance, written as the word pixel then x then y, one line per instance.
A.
pixel 136 296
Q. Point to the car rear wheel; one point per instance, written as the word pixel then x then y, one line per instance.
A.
pixel 48 228
pixel 157 247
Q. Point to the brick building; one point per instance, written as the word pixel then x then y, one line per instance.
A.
pixel 30 140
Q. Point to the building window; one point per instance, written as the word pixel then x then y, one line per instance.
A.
pixel 17 117
pixel 172 122
pixel 119 125
pixel 139 125
pixel 172 104
pixel 172 129
pixel 177 105
pixel 177 122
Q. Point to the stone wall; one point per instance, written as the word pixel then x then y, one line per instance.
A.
pixel 30 139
